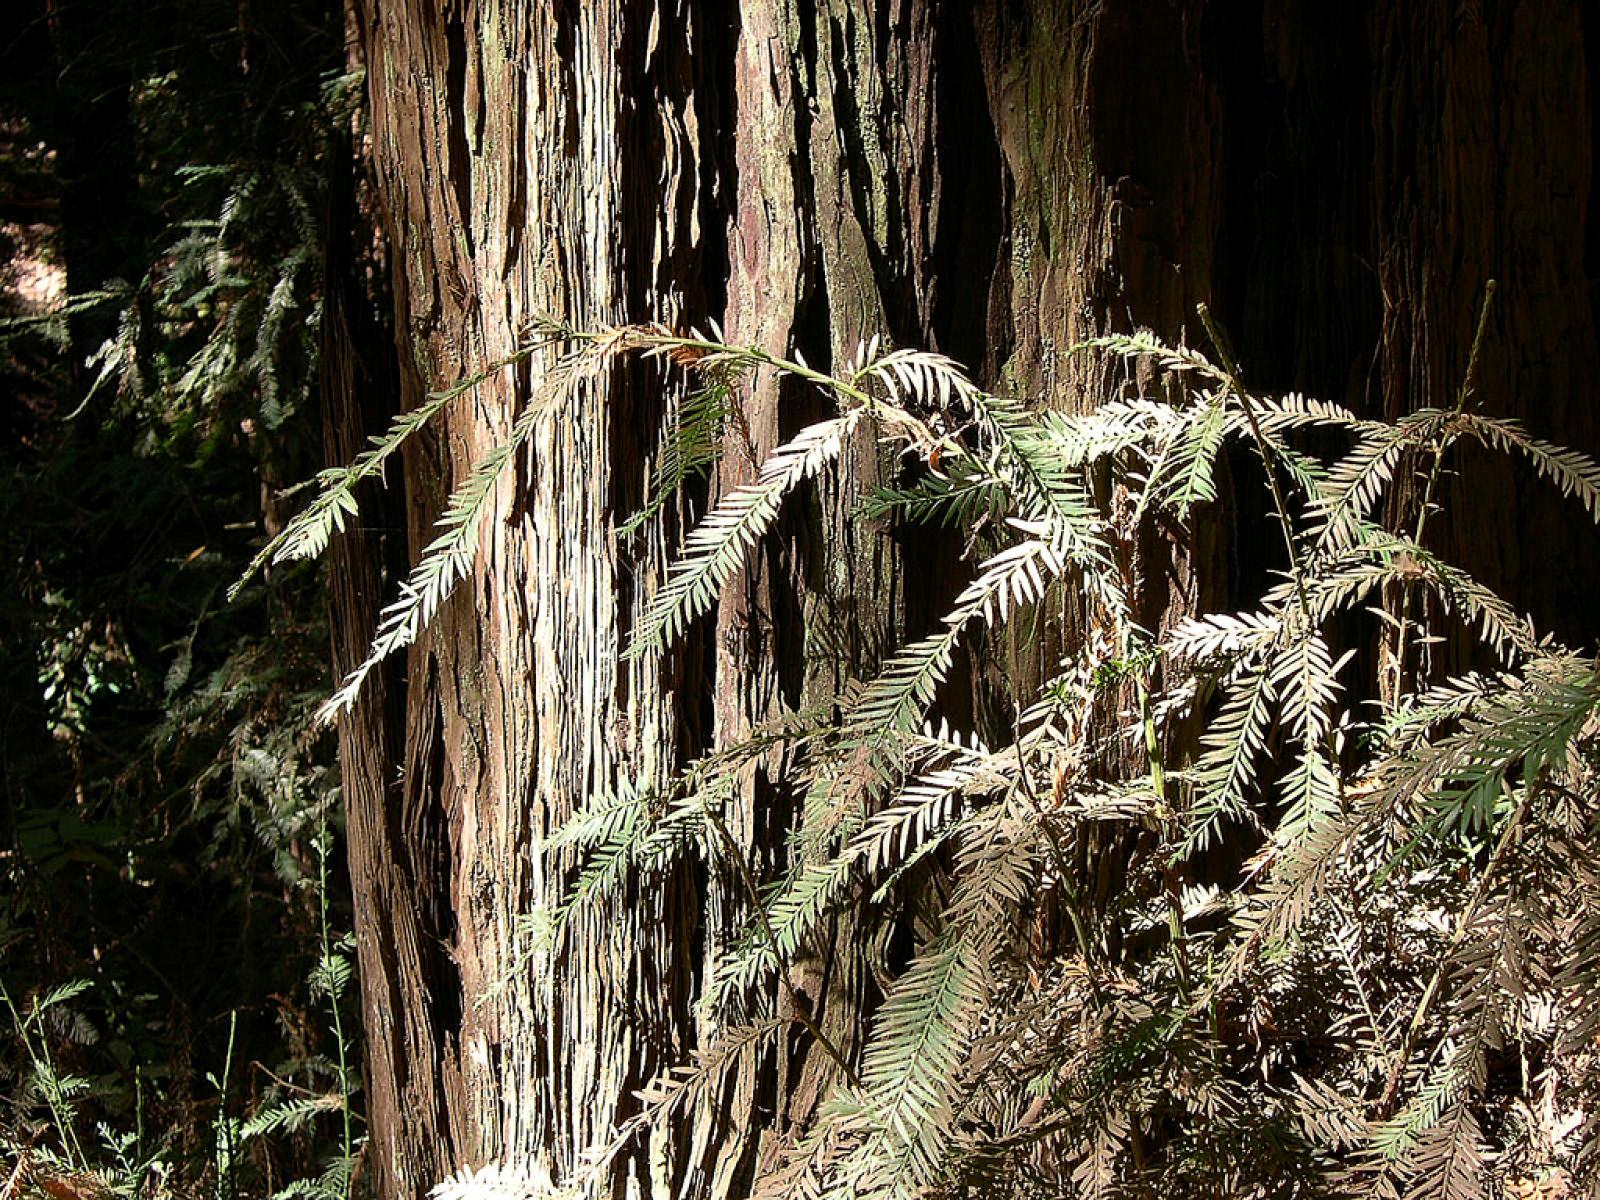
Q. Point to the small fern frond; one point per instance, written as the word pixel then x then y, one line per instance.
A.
pixel 796 909
pixel 1079 439
pixel 1278 414
pixel 500 1181
pixel 1574 472
pixel 1015 577
pixel 916 378
pixel 307 534
pixel 1354 486
pixel 291 1115
pixel 717 547
pixel 692 447
pixel 1223 635
pixel 445 561
pixel 1176 360
pixel 925 812
pixel 1448 1161
pixel 682 1089
pixel 918 1055
pixel 1504 629
pixel 893 704
pixel 1345 579
pixel 630 829
pixel 1226 772
pixel 959 498
pixel 914 1063
pixel 1418 713
pixel 1046 488
pixel 1395 1140
pixel 1304 677
pixel 1191 460
pixel 927 805
pixel 1311 799
pixel 1526 728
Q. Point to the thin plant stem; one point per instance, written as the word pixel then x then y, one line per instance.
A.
pixel 1436 982
pixel 1058 855
pixel 44 1067
pixel 1434 474
pixel 1269 457
pixel 1169 871
pixel 348 1143
pixel 801 1008
pixel 223 1126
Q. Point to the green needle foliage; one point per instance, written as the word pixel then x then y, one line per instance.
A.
pixel 1348 1008
pixel 1414 915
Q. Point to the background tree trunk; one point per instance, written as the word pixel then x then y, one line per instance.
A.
pixel 997 181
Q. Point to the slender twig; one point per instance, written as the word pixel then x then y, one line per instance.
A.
pixel 1446 439
pixel 1264 447
pixel 1170 882
pixel 658 341
pixel 348 1142
pixel 1352 969
pixel 802 1010
pixel 1058 856
pixel 222 1127
pixel 1435 983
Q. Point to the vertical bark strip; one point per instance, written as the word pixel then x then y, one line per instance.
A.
pixel 834 229
pixel 1111 187
pixel 496 130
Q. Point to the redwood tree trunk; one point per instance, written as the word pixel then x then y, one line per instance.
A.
pixel 995 180
pixel 506 144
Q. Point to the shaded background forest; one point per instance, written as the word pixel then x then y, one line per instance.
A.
pixel 163 184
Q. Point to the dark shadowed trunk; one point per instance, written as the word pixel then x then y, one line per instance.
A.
pixel 997 181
